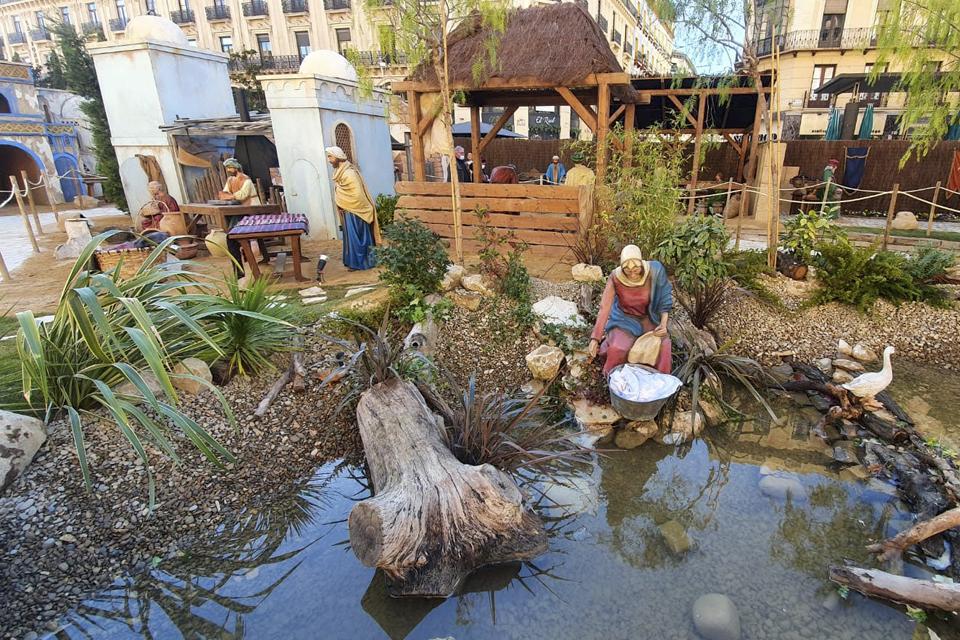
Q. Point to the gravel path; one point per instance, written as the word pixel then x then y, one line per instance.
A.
pixel 60 543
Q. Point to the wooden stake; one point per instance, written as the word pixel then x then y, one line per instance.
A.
pixel 416 136
pixel 603 114
pixel 697 141
pixel 933 209
pixel 729 192
pixel 23 214
pixel 890 211
pixel 475 144
pixel 79 185
pixel 743 205
pixel 33 205
pixel 50 198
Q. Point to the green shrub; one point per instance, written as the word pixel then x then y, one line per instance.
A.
pixel 805 230
pixel 411 306
pixel 860 276
pixel 746 267
pixel 694 252
pixel 929 264
pixel 386 206
pixel 415 256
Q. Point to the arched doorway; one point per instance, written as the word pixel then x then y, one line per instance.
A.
pixel 66 166
pixel 14 158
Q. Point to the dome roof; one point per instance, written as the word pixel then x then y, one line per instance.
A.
pixel 325 62
pixel 155 29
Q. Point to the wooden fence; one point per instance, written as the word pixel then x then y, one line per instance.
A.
pixel 538 215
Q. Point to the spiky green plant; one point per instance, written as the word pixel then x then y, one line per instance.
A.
pixel 110 330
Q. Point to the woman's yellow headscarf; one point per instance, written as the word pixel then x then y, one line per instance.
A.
pixel 631 256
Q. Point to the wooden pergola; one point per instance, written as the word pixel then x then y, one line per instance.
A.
pixel 591 98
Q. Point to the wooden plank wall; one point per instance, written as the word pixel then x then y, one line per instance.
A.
pixel 538 215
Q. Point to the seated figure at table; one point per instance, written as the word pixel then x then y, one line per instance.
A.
pixel 239 186
pixel 358 215
pixel 637 300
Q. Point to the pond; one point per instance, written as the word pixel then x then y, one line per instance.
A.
pixel 288 572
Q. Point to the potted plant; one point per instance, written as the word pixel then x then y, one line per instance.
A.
pixel 803 232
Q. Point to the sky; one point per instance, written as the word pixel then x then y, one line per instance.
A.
pixel 709 58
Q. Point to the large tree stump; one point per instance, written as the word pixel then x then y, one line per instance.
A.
pixel 433 519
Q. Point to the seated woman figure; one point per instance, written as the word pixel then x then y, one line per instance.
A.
pixel 637 300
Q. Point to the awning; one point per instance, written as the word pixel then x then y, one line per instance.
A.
pixel 846 82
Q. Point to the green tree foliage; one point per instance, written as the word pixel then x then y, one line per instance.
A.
pixel 694 252
pixel 414 255
pixel 921 39
pixel 80 77
pixel 53 78
pixel 805 230
pixel 248 61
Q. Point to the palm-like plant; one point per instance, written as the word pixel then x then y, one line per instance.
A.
pixel 109 331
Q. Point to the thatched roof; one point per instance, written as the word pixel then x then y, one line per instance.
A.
pixel 559 45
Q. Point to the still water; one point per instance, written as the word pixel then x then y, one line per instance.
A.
pixel 288 572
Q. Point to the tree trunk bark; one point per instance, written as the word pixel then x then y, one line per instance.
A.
pixel 433 519
pixel 919 593
pixel 894 547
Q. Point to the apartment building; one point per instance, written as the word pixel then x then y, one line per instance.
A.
pixel 819 40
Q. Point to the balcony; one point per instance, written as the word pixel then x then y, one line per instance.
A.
pixel 378 58
pixel 17 37
pixel 39 34
pixel 336 5
pixel 811 39
pixel 118 24
pixel 295 6
pixel 182 16
pixel 217 12
pixel 92 29
pixel 273 64
pixel 255 9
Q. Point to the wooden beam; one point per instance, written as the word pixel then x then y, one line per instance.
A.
pixel 508 84
pixel 416 137
pixel 616 114
pixel 751 171
pixel 502 120
pixel 697 141
pixel 692 91
pixel 682 108
pixel 629 129
pixel 603 112
pixel 585 113
pixel 427 120
pixel 475 144
pixel 733 143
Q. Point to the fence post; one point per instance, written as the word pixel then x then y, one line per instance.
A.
pixel 23 214
pixel 743 204
pixel 50 198
pixel 890 212
pixel 729 193
pixel 79 185
pixel 33 205
pixel 933 209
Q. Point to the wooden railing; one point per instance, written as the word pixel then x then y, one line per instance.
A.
pixel 537 215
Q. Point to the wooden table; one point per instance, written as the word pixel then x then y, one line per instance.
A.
pixel 219 213
pixel 245 238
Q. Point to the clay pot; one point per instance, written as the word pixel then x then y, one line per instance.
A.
pixel 216 242
pixel 173 224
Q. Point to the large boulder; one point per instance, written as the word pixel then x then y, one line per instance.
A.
pixel 544 362
pixel 193 367
pixel 452 278
pixel 20 438
pixel 586 273
pixel 716 618
pixel 635 434
pixel 905 221
pixel 556 310
pixel 477 283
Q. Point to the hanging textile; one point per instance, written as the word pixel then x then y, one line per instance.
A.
pixel 953 182
pixel 854 166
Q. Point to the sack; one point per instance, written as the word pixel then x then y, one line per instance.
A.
pixel 645 350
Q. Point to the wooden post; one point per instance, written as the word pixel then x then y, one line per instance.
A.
pixel 743 204
pixel 751 174
pixel 697 141
pixel 50 198
pixel 475 144
pixel 890 211
pixel 629 129
pixel 933 209
pixel 729 193
pixel 416 136
pixel 23 214
pixel 30 201
pixel 603 125
pixel 3 270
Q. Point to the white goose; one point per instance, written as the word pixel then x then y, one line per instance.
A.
pixel 868 385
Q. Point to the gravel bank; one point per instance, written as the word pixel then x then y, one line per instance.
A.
pixel 60 543
pixel 919 332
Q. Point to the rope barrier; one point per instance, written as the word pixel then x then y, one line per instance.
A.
pixel 939 206
pixel 7 201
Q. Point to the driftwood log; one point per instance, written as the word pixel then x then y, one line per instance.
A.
pixel 892 549
pixel 925 594
pixel 433 520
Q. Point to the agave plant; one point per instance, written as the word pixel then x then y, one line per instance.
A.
pixel 110 330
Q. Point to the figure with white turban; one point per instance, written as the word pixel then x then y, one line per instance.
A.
pixel 636 302
pixel 358 214
pixel 239 186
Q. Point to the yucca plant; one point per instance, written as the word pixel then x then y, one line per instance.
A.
pixel 108 331
pixel 255 324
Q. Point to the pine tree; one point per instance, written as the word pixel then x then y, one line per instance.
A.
pixel 80 77
pixel 54 77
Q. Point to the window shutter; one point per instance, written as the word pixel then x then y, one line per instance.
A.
pixel 835 6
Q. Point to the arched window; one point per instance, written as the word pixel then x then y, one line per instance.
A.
pixel 4 104
pixel 344 139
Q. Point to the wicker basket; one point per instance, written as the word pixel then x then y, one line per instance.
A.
pixel 132 259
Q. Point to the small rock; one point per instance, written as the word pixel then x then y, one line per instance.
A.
pixel 594 416
pixel 558 311
pixel 845 453
pixel 544 362
pixel 356 291
pixel 316 300
pixel 675 537
pixel 479 284
pixel 712 411
pixel 532 387
pixel 452 278
pixel 63 566
pixel 851 366
pixel 20 439
pixel 312 292
pixel 905 221
pixel 193 367
pixel 586 273
pixel 841 377
pixel 844 348
pixel 864 353
pixel 635 434
pixel 68 538
pixel 469 300
pixel 716 618
pixel 856 472
pixel 781 372
pixel 128 389
pixel 685 427
pixel 825 365
pixel 783 486
pixel 831 602
pixel 819 402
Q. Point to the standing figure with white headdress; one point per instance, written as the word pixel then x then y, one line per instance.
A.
pixel 358 214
